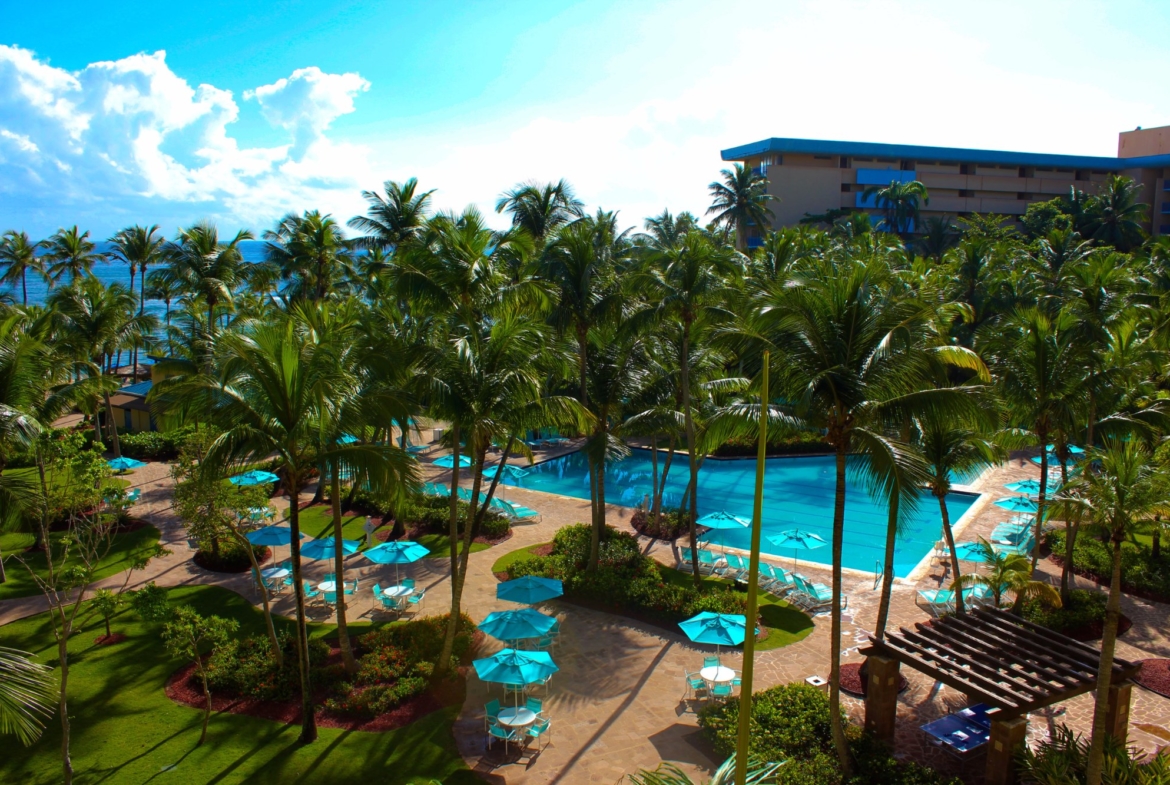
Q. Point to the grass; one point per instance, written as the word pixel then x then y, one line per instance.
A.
pixel 126 548
pixel 439 545
pixel 786 624
pixel 317 521
pixel 125 729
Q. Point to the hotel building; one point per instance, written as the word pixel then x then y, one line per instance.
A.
pixel 815 175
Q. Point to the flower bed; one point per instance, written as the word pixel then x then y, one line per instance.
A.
pixel 625 580
pixel 1155 676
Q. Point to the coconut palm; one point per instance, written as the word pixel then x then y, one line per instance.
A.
pixel 27 695
pixel 851 357
pixel 1115 216
pixel 140 248
pixel 739 201
pixel 311 252
pixel 19 256
pixel 161 286
pixel 1125 489
pixel 396 219
pixel 900 203
pixel 666 230
pixel 202 266
pixel 70 251
pixel 1007 573
pixel 541 209
pixel 939 235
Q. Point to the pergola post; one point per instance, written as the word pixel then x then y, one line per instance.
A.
pixel 1117 710
pixel 881 697
pixel 1006 738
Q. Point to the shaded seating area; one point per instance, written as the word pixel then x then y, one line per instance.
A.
pixel 1005 665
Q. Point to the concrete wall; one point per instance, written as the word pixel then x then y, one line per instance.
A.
pixel 1143 141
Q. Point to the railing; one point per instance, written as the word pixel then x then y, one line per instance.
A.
pixel 878 573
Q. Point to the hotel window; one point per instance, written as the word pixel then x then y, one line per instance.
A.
pixel 966 168
pixel 845 188
pixel 964 192
pixel 1025 196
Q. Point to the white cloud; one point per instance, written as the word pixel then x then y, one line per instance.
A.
pixel 131 135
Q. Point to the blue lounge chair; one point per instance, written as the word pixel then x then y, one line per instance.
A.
pixel 735 568
pixel 518 513
pixel 817 596
pixel 936 602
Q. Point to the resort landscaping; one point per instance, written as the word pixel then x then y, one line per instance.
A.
pixel 444 503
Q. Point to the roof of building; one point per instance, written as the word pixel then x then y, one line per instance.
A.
pixel 922 152
pixel 132 402
pixel 141 389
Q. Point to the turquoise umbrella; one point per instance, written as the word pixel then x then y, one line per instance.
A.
pixel 346 438
pixel 397 552
pixel 509 472
pixel 323 548
pixel 254 477
pixel 1030 487
pixel 517 625
pixel 530 589
pixel 720 629
pixel 721 521
pixel 124 464
pixel 1071 448
pixel 970 551
pixel 797 540
pixel 1017 504
pixel 271 536
pixel 448 461
pixel 516 668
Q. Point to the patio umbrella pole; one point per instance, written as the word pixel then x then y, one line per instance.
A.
pixel 749 638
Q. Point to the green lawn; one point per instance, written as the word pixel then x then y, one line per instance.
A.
pixel 126 548
pixel 785 623
pixel 317 521
pixel 125 729
pixel 440 545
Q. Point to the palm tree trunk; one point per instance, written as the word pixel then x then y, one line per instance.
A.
pixel 654 470
pixel 1105 669
pixel 62 704
pixel 1043 434
pixel 456 579
pixel 950 538
pixel 339 569
pixel 308 720
pixel 1155 542
pixel 24 287
pixel 206 703
pixel 594 531
pixel 888 567
pixel 662 481
pixel 690 432
pixel 839 740
pixel 1070 539
pixel 112 426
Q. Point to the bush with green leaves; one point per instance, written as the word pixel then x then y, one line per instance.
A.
pixel 150 602
pixel 155 445
pixel 107 604
pixel 1062 760
pixel 625 579
pixel 671 524
pixel 432 514
pixel 1084 609
pixel 791 723
pixel 245 667
pixel 1141 573
pixel 190 635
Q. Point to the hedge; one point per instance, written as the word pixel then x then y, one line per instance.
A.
pixel 1141 573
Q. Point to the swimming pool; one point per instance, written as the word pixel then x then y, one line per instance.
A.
pixel 798 492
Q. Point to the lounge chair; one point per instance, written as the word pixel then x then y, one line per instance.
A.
pixel 133 495
pixel 937 601
pixel 519 513
pixel 785 579
pixel 707 561
pixel 442 490
pixel 819 596
pixel 735 568
pixel 776 584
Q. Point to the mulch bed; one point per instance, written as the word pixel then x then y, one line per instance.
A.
pixel 1094 630
pixel 853 679
pixel 1155 676
pixel 109 640
pixel 185 687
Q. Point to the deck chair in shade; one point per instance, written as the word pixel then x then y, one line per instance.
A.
pixel 778 586
pixel 491 711
pixel 310 592
pixel 694 684
pixel 496 731
pixel 538 730
pixel 735 567
pixel 936 602
pixel 708 562
pixel 684 560
pixel 352 588
pixel 389 603
pixel 534 705
pixel 330 598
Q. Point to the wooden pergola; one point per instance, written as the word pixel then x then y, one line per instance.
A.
pixel 996 658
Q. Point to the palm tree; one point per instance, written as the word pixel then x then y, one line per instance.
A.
pixel 685 284
pixel 70 251
pixel 1039 364
pixel 541 209
pixel 1125 490
pixel 939 235
pixel 1007 572
pixel 666 230
pixel 26 695
pixel 852 357
pixel 396 219
pixel 200 265
pixel 140 248
pixel 18 255
pixel 900 202
pixel 951 449
pixel 96 322
pixel 1115 216
pixel 311 252
pixel 739 201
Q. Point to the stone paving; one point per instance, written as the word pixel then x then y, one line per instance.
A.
pixel 617 703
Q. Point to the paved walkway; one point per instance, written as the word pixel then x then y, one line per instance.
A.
pixel 616 703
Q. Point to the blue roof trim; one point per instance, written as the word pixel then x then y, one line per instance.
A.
pixel 964 155
pixel 142 388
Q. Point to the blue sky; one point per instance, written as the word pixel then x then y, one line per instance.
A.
pixel 259 108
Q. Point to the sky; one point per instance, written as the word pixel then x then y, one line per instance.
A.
pixel 239 113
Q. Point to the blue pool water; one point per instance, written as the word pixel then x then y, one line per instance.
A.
pixel 798 492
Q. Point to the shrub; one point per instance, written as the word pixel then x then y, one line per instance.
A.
pixel 671 525
pixel 245 667
pixel 1141 573
pixel 1064 759
pixel 625 579
pixel 1085 608
pixel 807 443
pixel 432 514
pixel 232 557
pixel 791 722
pixel 150 602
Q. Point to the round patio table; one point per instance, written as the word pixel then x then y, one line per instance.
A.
pixel 398 591
pixel 716 674
pixel 518 717
pixel 274 573
pixel 327 586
